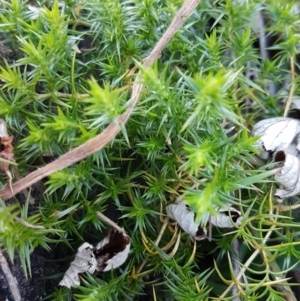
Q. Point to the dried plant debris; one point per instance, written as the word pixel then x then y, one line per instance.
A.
pixel 6 151
pixel 10 279
pixel 288 175
pixel 181 213
pixel 280 137
pixel 227 217
pixel 84 261
pixel 276 134
pixel 112 251
pixel 109 254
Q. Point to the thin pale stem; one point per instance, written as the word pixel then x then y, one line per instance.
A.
pixel 292 89
pixel 246 265
pixel 63 95
pixel 235 258
pixel 11 281
pixel 28 225
pixel 110 222
pixel 265 253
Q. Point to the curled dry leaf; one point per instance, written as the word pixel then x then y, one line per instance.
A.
pixel 227 217
pixel 6 151
pixel 282 136
pixel 292 149
pixel 185 218
pixel 84 261
pixel 276 134
pixel 288 175
pixel 112 251
pixel 109 254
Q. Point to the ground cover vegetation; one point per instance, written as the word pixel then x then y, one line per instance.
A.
pixel 232 64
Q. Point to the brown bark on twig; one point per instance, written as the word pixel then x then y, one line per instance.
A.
pixel 100 141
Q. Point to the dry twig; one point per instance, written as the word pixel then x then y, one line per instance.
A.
pixel 10 278
pixel 110 222
pixel 235 258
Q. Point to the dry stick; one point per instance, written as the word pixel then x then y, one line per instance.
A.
pixel 96 144
pixel 26 193
pixel 110 222
pixel 10 278
pixel 28 225
pixel 24 223
pixel 277 274
pixel 289 294
pixel 235 258
pixel 246 265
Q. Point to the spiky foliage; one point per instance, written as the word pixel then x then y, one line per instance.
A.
pixel 189 136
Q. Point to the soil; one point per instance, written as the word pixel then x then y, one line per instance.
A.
pixel 46 270
pixel 34 288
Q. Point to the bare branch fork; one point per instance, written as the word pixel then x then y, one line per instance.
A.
pixel 97 143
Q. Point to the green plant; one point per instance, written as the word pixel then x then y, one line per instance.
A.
pixel 188 137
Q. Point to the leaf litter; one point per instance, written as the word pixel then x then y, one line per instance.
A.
pixel 226 217
pixel 110 253
pixel 280 140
